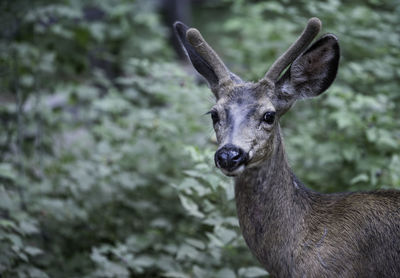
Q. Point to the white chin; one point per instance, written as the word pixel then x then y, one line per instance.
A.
pixel 235 172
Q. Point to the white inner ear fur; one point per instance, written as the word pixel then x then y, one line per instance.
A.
pixel 287 88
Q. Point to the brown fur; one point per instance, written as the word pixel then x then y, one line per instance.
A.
pixel 291 230
pixel 295 232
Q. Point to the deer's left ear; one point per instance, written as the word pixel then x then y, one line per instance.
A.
pixel 312 72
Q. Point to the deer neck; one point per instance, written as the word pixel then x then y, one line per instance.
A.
pixel 271 205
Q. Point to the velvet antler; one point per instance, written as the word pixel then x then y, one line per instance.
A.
pixel 309 33
pixel 207 53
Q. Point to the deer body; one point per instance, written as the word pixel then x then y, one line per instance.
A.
pixel 291 230
pixel 295 232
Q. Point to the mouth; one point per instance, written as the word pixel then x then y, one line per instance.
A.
pixel 239 170
pixel 234 173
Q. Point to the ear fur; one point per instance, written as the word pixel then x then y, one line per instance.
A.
pixel 312 72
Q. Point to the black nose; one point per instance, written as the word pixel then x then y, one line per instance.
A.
pixel 230 157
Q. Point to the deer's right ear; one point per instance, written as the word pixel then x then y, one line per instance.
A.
pixel 198 62
pixel 312 72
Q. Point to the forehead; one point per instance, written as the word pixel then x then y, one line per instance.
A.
pixel 246 96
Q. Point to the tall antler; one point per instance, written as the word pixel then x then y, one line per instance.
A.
pixel 309 33
pixel 197 41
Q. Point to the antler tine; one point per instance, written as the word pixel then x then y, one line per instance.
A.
pixel 309 33
pixel 197 41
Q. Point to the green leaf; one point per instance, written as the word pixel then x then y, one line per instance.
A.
pixel 28 227
pixel 7 171
pixel 196 243
pixel 143 261
pixel 190 206
pixel 225 273
pixel 36 273
pixel 33 251
pixel 176 275
pixel 360 178
pixel 252 272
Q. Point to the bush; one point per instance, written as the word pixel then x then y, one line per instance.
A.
pixel 106 154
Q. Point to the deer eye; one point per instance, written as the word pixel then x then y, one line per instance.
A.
pixel 269 117
pixel 214 116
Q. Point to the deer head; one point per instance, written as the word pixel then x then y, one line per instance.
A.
pixel 246 114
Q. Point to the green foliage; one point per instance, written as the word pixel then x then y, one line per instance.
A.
pixel 106 163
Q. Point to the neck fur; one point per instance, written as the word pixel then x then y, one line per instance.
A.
pixel 271 205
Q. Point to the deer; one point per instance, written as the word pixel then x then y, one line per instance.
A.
pixel 292 231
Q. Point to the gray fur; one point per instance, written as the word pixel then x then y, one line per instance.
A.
pixel 291 230
pixel 295 232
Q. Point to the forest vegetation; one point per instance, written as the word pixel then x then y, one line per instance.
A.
pixel 106 156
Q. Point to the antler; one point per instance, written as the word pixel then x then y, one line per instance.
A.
pixel 197 41
pixel 309 33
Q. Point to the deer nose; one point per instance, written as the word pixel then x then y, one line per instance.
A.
pixel 230 157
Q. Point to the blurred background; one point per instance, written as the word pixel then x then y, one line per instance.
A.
pixel 106 156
